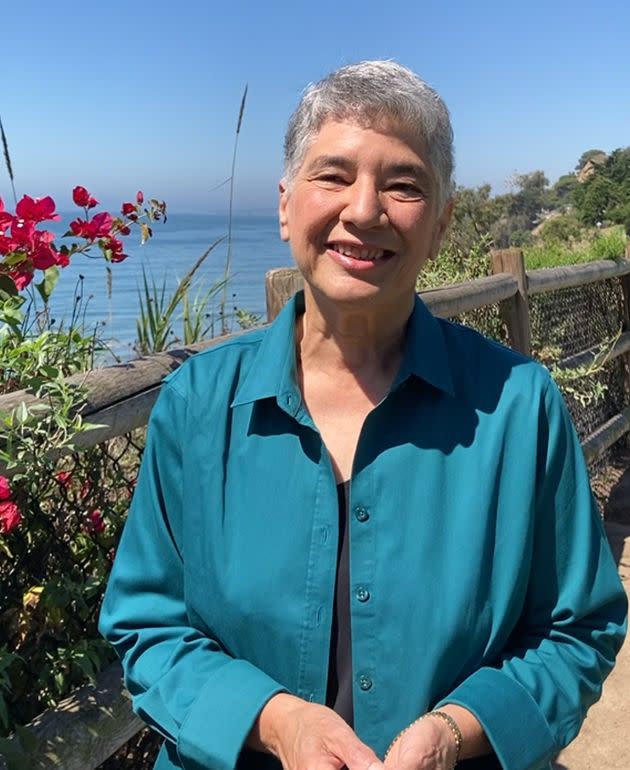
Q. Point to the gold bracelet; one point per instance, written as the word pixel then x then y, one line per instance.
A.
pixel 453 726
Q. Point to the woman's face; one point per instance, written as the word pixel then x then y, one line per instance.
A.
pixel 362 214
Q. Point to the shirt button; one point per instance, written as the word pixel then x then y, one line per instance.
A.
pixel 365 683
pixel 362 594
pixel 361 514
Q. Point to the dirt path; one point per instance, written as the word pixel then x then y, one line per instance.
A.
pixel 604 741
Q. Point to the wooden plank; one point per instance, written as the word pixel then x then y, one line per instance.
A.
pixel 515 310
pixel 449 301
pixel 444 301
pixel 119 398
pixel 606 435
pixel 83 731
pixel 280 285
pixel 555 278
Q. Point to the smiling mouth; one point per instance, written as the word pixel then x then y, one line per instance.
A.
pixel 361 253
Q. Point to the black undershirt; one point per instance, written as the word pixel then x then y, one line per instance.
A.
pixel 339 689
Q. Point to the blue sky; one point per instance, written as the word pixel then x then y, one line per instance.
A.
pixel 116 96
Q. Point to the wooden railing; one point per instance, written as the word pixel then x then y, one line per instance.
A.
pixel 95 722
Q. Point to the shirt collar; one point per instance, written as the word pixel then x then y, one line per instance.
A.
pixel 272 374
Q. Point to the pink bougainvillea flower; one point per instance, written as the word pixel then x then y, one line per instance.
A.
pixel 98 227
pixel 10 517
pixel 7 245
pixel 95 521
pixel 64 478
pixel 83 198
pixel 139 197
pixel 43 255
pixel 115 248
pixel 22 231
pixel 5 217
pixel 21 276
pixel 36 209
pixel 5 489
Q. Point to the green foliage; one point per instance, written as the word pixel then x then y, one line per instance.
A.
pixel 560 229
pixel 54 563
pixel 155 325
pixel 560 195
pixel 605 195
pixel 592 246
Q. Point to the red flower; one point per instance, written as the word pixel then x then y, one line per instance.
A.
pixel 36 209
pixel 43 255
pixel 115 248
pixel 95 521
pixel 83 198
pixel 5 217
pixel 7 245
pixel 5 489
pixel 64 478
pixel 10 517
pixel 139 198
pixel 98 227
pixel 22 231
pixel 21 277
pixel 128 208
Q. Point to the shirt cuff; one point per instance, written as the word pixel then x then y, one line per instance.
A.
pixel 221 717
pixel 510 717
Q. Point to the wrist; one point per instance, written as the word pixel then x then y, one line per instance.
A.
pixel 451 736
pixel 265 733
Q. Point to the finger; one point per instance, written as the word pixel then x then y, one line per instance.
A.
pixel 358 756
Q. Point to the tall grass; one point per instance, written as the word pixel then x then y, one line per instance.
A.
pixel 228 258
pixel 607 245
pixel 154 325
pixel 7 159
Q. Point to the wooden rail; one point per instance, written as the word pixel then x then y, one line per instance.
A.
pixel 81 733
pixel 95 721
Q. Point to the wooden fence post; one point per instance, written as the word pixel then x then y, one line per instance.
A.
pixel 280 285
pixel 515 311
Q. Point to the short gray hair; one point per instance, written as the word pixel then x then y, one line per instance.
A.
pixel 370 92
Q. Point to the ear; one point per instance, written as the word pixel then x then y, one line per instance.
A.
pixel 282 210
pixel 440 227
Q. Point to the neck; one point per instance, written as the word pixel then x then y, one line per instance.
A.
pixel 355 339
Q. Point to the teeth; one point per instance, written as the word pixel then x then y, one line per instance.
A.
pixel 368 255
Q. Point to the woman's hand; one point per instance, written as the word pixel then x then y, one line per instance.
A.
pixel 307 736
pixel 427 744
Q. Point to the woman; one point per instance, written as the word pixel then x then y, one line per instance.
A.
pixel 363 536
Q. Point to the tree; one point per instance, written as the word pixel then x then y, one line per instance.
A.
pixel 531 197
pixel 561 192
pixel 605 195
pixel 586 156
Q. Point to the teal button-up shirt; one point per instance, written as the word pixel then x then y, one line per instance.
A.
pixel 479 572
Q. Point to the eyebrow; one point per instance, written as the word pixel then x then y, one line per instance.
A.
pixel 327 161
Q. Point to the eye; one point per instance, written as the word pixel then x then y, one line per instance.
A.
pixel 406 189
pixel 332 178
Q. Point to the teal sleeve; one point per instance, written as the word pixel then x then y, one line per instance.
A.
pixel 532 702
pixel 181 682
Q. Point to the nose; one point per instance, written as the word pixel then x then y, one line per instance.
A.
pixel 363 205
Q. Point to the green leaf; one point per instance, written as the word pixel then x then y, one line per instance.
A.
pixel 48 283
pixel 7 287
pixel 27 739
pixel 4 712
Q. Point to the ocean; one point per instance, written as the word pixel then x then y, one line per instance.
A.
pixel 173 250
